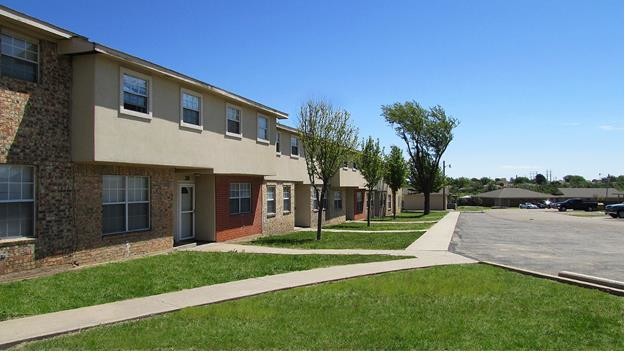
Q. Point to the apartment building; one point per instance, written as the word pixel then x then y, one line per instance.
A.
pixel 104 155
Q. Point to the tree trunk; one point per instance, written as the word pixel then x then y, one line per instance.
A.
pixel 394 204
pixel 426 203
pixel 320 211
pixel 368 208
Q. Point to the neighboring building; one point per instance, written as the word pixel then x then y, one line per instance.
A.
pixel 104 155
pixel 382 201
pixel 606 195
pixel 510 197
pixel 415 201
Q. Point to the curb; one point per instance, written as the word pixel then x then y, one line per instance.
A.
pixel 610 290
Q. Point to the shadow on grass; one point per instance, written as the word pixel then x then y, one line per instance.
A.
pixel 283 241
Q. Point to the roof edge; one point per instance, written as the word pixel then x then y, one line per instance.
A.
pixel 35 22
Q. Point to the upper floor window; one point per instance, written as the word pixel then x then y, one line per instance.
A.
pixel 17 201
pixel 135 94
pixel 20 57
pixel 240 198
pixel 233 120
pixel 263 128
pixel 125 203
pixel 294 146
pixel 278 151
pixel 271 199
pixel 191 108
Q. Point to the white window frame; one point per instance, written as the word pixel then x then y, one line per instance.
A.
pixel 228 133
pixel 275 203
pixel 278 144
pixel 339 198
pixel 126 202
pixel 29 39
pixel 294 138
pixel 124 71
pixel 284 198
pixel 239 198
pixel 33 200
pixel 189 92
pixel 258 138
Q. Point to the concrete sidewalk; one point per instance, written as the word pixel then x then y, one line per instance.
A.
pixel 437 238
pixel 40 326
pixel 228 247
pixel 360 230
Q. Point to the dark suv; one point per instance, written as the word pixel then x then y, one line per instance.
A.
pixel 615 210
pixel 577 204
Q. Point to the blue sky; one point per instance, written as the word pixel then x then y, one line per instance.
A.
pixel 536 84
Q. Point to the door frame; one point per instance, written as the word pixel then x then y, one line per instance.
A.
pixel 179 215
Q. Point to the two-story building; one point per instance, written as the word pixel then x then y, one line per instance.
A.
pixel 104 155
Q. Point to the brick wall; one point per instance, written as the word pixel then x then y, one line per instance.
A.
pixel 91 245
pixel 281 222
pixel 229 226
pixel 34 130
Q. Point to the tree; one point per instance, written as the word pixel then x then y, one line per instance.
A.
pixel 521 180
pixel 371 168
pixel 540 179
pixel 328 139
pixel 415 182
pixel 427 133
pixel 395 173
pixel 576 181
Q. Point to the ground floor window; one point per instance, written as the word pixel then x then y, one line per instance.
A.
pixel 17 201
pixel 338 200
pixel 315 203
pixel 390 202
pixel 240 198
pixel 286 198
pixel 359 202
pixel 271 199
pixel 125 203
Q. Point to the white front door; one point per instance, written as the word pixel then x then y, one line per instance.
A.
pixel 186 216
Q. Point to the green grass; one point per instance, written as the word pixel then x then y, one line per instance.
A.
pixel 149 276
pixel 408 216
pixel 340 240
pixel 460 307
pixel 381 226
pixel 473 208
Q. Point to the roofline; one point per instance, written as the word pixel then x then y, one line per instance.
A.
pixel 99 48
pixel 287 128
pixel 35 22
pixel 102 49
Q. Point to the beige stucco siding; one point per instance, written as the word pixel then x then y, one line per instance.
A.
pixel 162 141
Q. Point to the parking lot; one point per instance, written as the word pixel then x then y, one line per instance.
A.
pixel 543 240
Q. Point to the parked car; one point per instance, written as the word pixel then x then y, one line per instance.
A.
pixel 614 210
pixel 577 204
pixel 528 205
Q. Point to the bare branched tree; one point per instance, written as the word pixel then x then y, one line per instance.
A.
pixel 329 139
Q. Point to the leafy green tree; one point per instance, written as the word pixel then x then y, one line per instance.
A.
pixel 427 133
pixel 328 139
pixel 576 181
pixel 395 173
pixel 521 180
pixel 540 179
pixel 371 168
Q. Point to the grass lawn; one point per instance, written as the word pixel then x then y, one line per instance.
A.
pixel 151 275
pixel 461 307
pixel 381 226
pixel 408 216
pixel 340 240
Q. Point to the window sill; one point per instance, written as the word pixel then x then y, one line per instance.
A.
pixel 15 241
pixel 354 169
pixel 130 232
pixel 271 215
pixel 295 156
pixel 279 154
pixel 263 141
pixel 233 135
pixel 286 212
pixel 191 126
pixel 145 116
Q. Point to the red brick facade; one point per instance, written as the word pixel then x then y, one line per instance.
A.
pixel 229 226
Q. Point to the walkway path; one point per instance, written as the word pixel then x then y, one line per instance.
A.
pixel 335 230
pixel 427 253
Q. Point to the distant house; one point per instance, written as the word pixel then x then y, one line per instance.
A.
pixel 607 195
pixel 511 197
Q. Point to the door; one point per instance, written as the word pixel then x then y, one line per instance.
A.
pixel 186 217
